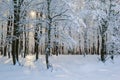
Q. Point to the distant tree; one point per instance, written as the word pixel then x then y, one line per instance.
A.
pixel 9 36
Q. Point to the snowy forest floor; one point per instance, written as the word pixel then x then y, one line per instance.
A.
pixel 64 67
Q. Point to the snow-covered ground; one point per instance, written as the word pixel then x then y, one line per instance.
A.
pixel 64 67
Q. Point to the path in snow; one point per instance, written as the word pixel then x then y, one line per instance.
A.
pixel 65 67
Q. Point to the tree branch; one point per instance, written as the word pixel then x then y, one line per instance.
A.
pixel 60 14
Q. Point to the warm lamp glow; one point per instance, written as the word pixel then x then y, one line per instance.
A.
pixel 32 14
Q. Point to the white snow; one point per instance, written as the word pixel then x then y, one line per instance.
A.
pixel 64 67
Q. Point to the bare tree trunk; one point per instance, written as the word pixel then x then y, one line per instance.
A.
pixel 13 52
pixel 26 50
pixel 93 45
pixel 103 50
pixel 36 49
pixel 16 33
pixel 9 34
pixel 41 49
pixel 48 29
pixel 85 42
pixel 2 42
pixel 5 50
pixel 36 38
pixel 62 46
pixel 98 45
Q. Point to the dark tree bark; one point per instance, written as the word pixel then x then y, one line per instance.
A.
pixel 85 42
pixel 36 49
pixel 41 49
pixel 51 19
pixel 5 50
pixel 36 34
pixel 16 33
pixel 103 50
pixel 2 44
pixel 98 45
pixel 48 29
pixel 9 34
pixel 26 44
pixel 103 29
